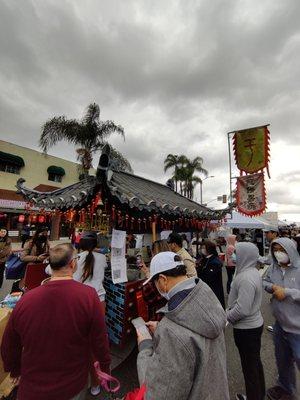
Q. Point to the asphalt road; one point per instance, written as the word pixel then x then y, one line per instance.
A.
pixel 127 374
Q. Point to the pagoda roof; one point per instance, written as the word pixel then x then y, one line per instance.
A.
pixel 123 188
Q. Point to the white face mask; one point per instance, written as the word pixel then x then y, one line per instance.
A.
pixel 163 294
pixel 282 258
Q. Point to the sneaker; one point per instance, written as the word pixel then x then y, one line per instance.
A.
pixel 95 390
pixel 277 393
pixel 270 328
pixel 240 396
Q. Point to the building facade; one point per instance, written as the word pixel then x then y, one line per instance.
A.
pixel 42 172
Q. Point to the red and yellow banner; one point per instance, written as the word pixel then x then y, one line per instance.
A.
pixel 251 194
pixel 251 149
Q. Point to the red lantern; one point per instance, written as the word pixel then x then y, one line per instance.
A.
pixel 21 218
pixel 41 219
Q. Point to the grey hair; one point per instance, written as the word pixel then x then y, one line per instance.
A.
pixel 61 255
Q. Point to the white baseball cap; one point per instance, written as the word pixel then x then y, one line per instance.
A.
pixel 163 262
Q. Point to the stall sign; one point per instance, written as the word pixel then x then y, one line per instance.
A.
pixel 251 149
pixel 251 194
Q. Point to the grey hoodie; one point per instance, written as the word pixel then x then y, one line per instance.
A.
pixel 286 312
pixel 245 295
pixel 186 360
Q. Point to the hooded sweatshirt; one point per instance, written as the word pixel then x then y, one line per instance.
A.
pixel 231 242
pixel 245 296
pixel 287 311
pixel 186 360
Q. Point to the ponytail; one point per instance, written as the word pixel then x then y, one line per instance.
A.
pixel 88 268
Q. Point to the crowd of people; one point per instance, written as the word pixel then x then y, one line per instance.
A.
pixel 57 331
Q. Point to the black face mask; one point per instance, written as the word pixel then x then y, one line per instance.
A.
pixel 42 239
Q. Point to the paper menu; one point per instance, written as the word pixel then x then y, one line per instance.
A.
pixel 118 260
pixel 118 239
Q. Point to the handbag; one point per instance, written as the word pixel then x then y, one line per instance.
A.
pixel 14 267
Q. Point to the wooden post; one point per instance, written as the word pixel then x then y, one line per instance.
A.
pixel 55 226
pixel 153 232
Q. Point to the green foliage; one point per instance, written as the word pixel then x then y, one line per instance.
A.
pixel 90 134
pixel 184 171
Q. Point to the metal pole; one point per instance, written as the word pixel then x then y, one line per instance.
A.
pixel 201 199
pixel 230 172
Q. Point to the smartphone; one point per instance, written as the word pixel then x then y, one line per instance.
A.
pixel 140 326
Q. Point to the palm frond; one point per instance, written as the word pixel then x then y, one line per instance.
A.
pixel 57 129
pixel 123 163
pixel 106 128
pixel 92 114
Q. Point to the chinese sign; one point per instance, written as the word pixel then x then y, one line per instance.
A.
pixel 251 194
pixel 251 149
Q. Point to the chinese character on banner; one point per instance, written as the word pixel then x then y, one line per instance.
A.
pixel 251 194
pixel 251 149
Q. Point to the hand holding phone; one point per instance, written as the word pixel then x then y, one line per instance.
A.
pixel 140 326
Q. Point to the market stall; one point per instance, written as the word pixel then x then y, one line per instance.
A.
pixel 116 200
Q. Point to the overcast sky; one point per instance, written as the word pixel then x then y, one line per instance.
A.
pixel 177 75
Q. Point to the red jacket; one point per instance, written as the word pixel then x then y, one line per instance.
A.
pixel 49 339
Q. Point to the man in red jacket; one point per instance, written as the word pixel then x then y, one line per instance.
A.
pixel 52 333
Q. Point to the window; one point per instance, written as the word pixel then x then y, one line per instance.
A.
pixel 55 173
pixel 11 163
pixel 8 167
pixel 54 177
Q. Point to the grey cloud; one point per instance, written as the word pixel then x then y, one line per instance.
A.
pixel 177 75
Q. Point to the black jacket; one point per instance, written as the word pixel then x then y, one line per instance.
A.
pixel 210 271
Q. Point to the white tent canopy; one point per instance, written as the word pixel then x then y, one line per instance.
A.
pixel 241 221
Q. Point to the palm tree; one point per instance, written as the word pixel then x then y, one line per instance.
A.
pixel 172 162
pixel 90 134
pixel 193 166
pixel 185 172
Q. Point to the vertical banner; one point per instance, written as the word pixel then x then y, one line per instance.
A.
pixel 251 149
pixel 251 194
pixel 118 260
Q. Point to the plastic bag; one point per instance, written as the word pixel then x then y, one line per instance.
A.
pixel 137 394
pixel 106 380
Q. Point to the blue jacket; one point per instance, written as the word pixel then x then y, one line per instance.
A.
pixel 286 312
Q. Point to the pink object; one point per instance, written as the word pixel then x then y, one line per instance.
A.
pixel 105 380
pixel 231 242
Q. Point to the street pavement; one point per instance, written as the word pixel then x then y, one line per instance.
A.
pixel 127 374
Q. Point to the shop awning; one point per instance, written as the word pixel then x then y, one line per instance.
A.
pixel 53 169
pixel 11 159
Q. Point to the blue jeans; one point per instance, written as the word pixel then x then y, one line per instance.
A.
pixel 287 352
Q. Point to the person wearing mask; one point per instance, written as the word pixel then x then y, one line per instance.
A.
pixel 91 265
pixel 175 245
pixel 244 303
pixel 90 271
pixel 130 241
pixel 52 332
pixel 210 270
pixel 5 251
pixel 151 296
pixel 193 324
pixel 185 243
pixel 230 259
pixel 35 251
pixel 25 234
pixel 282 280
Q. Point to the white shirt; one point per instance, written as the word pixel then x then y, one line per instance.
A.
pixel 98 275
